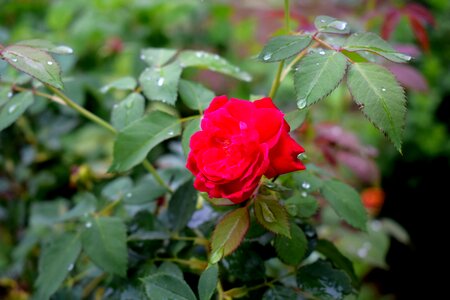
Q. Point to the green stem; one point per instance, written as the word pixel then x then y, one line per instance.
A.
pixel 287 16
pixel 276 81
pixel 87 114
pixel 107 126
pixel 155 174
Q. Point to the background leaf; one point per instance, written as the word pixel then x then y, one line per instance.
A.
pixel 272 215
pixel 46 46
pixel 192 127
pixel 283 47
pixel 368 41
pixel 34 62
pixel 157 56
pixel 161 83
pixel 208 282
pixel 136 140
pixel 195 95
pixel 127 111
pixel 317 75
pixel 105 242
pixel 229 233
pixel 55 262
pixel 124 83
pixel 279 293
pixel 165 286
pixel 182 205
pixel 213 62
pixel 346 203
pixel 324 282
pixel 292 250
pixel 382 98
pixel 14 108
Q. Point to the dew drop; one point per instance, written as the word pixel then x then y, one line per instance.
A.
pixel 339 25
pixel 14 59
pixel 306 185
pixel 317 64
pixel 199 54
pixel 321 52
pixel 142 56
pixel 160 81
pixel 12 108
pixel 301 103
pixel 129 104
pixel 49 63
pixel 267 56
pixel 115 106
pixel 302 157
pixel 88 225
pixel 322 21
pixel 70 267
pixel 171 132
pixel 10 94
pixel 64 50
pixel 364 250
pixel 376 225
pixel 383 89
pixel 304 194
pixel 267 213
pixel 129 195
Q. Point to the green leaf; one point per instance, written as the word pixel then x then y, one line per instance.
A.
pixel 86 204
pixel 272 215
pixel 117 188
pixel 295 118
pixel 55 262
pixel 302 205
pixel 46 46
pixel 182 205
pixel 306 180
pixel 328 249
pixel 157 56
pixel 146 190
pixel 229 233
pixel 283 47
pixel 135 141
pixel 127 111
pixel 164 286
pixel 191 128
pixel 381 97
pixel 317 75
pixel 292 250
pixel 213 62
pixel 14 108
pixel 195 95
pixel 161 84
pixel 346 203
pixel 324 282
pixel 328 24
pixel 105 242
pixel 171 269
pixel 124 83
pixel 280 293
pixel 34 62
pixel 368 41
pixel 208 282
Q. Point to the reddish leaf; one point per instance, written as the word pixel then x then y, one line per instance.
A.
pixel 420 13
pixel 409 49
pixel 409 77
pixel 363 167
pixel 390 22
pixel 420 32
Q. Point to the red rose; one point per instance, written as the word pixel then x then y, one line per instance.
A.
pixel 241 141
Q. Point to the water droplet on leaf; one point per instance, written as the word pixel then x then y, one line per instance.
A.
pixel 10 94
pixel 383 89
pixel 129 195
pixel 304 194
pixel 70 267
pixel 267 213
pixel 14 59
pixel 64 50
pixel 49 63
pixel 339 25
pixel 160 81
pixel 142 56
pixel 12 108
pixel 301 103
pixel 267 56
pixel 170 133
pixel 306 185
pixel 302 157
pixel 88 225
pixel 321 52
pixel 322 21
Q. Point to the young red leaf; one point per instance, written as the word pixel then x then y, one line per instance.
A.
pixel 420 13
pixel 420 32
pixel 390 22
pixel 229 233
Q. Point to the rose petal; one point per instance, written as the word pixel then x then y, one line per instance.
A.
pixel 283 157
